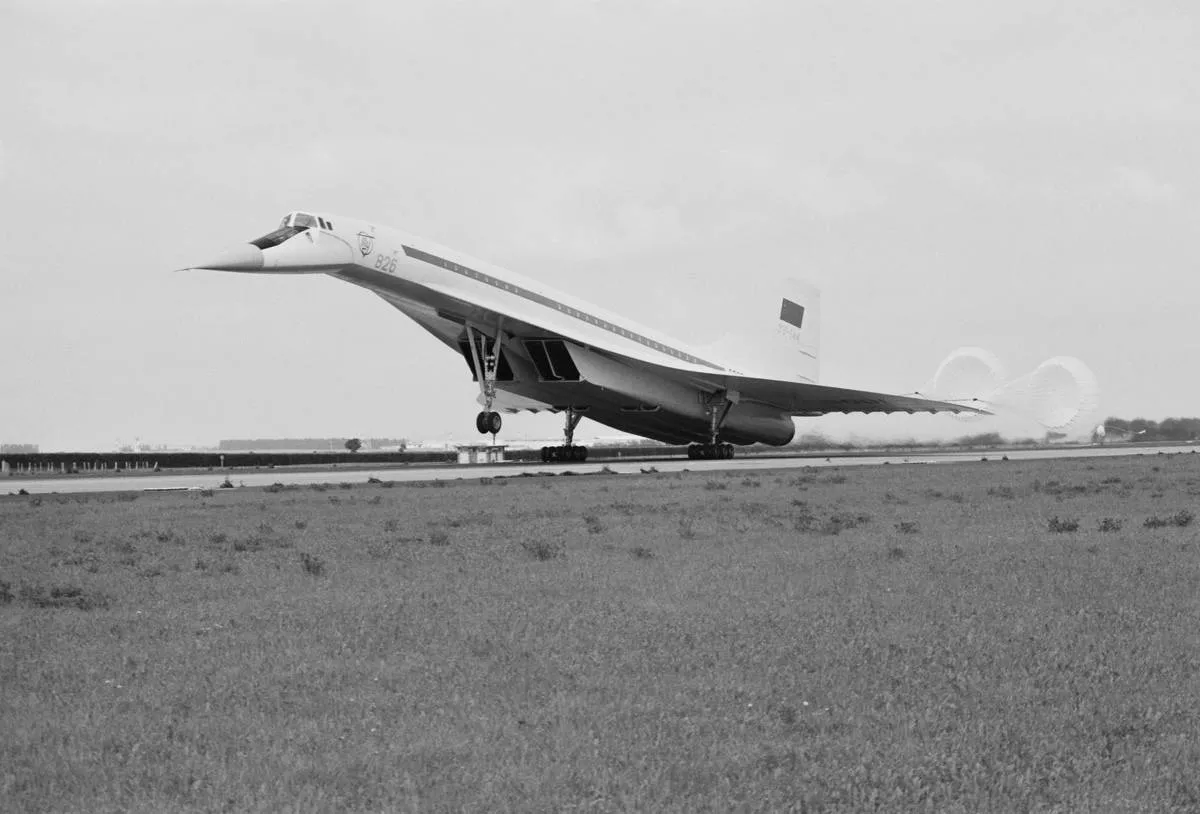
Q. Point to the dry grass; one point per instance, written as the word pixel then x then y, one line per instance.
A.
pixel 895 638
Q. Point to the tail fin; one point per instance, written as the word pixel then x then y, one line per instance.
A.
pixel 775 333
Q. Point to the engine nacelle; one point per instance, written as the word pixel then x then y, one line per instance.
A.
pixel 746 423
pixel 750 423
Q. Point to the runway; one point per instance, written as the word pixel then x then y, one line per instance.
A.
pixel 406 474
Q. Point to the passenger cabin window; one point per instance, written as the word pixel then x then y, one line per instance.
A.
pixel 292 224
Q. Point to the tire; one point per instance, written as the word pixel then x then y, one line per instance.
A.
pixel 481 423
pixel 494 423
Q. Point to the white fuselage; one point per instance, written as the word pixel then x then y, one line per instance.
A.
pixel 443 290
pixel 559 351
pixel 403 267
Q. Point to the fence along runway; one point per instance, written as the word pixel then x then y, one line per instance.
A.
pixel 267 477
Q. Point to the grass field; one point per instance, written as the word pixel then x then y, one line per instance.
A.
pixel 994 636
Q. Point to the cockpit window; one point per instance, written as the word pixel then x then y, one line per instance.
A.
pixel 275 238
pixel 292 224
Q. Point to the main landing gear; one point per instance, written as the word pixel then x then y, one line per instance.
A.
pixel 718 406
pixel 710 452
pixel 568 451
pixel 564 454
pixel 485 356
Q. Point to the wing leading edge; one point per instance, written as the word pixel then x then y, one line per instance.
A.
pixel 794 398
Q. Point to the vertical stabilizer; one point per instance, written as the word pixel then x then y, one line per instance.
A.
pixel 772 331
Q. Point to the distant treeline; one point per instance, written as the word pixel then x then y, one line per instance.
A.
pixel 815 442
pixel 1143 429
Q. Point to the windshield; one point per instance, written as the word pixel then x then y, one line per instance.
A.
pixel 292 224
pixel 275 238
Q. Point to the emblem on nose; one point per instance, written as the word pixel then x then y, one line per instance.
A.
pixel 366 242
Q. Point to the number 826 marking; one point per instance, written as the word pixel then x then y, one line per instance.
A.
pixel 387 264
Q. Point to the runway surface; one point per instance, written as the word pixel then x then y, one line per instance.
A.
pixel 404 474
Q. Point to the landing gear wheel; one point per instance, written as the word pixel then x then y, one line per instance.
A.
pixel 572 454
pixel 488 423
pixel 567 451
pixel 710 452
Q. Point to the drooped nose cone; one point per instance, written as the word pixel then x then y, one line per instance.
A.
pixel 245 257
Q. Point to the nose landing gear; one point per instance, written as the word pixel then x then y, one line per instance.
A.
pixel 485 356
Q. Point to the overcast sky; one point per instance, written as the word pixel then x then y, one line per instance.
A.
pixel 1018 175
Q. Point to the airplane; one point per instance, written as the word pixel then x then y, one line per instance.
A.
pixel 531 347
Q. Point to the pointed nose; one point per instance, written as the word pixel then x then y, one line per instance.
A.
pixel 246 257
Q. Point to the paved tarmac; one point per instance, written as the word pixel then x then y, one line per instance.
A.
pixel 405 474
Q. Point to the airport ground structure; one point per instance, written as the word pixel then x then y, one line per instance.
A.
pixel 87 463
pixel 100 462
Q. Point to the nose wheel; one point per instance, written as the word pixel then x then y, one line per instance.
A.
pixel 485 355
pixel 488 422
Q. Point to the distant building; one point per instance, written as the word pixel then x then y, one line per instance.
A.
pixel 19 449
pixel 281 444
pixel 306 444
pixel 480 453
pixel 388 444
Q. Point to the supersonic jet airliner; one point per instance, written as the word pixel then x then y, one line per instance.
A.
pixel 531 347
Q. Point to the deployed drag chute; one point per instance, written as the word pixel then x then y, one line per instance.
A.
pixel 1059 395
